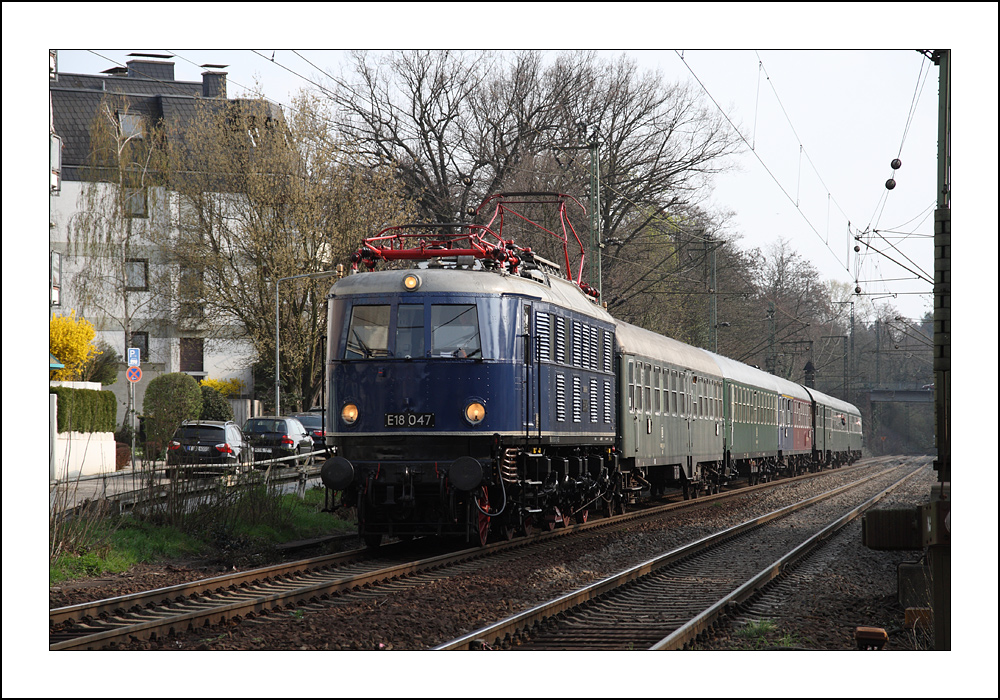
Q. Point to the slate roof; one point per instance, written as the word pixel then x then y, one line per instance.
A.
pixel 75 99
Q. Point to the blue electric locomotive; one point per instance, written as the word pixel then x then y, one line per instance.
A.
pixel 480 392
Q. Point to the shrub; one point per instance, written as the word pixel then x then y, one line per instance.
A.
pixel 84 410
pixel 70 339
pixel 214 405
pixel 170 399
pixel 229 388
pixel 123 455
pixel 102 367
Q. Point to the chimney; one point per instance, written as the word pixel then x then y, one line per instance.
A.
pixel 213 80
pixel 144 68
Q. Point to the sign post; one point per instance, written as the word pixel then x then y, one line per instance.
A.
pixel 133 374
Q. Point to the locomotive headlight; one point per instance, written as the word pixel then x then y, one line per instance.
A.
pixel 349 413
pixel 475 412
pixel 411 283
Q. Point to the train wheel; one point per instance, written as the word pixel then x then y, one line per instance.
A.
pixel 529 526
pixel 373 540
pixel 483 520
pixel 581 516
pixel 509 531
pixel 551 519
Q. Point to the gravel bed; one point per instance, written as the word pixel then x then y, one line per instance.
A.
pixel 419 614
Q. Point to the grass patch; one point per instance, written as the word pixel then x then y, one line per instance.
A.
pixel 758 634
pixel 238 526
pixel 756 629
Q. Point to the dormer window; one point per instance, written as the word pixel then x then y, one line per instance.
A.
pixel 130 125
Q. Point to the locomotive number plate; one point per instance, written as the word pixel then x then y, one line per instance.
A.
pixel 409 420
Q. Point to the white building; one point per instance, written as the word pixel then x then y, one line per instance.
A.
pixel 169 340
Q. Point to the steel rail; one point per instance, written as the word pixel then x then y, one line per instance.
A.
pixel 688 632
pixel 490 635
pixel 256 603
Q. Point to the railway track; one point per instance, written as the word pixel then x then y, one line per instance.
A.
pixel 162 612
pixel 668 601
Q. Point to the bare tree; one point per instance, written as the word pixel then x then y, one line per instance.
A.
pixel 456 125
pixel 117 235
pixel 262 197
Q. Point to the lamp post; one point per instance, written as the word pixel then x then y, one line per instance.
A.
pixel 277 336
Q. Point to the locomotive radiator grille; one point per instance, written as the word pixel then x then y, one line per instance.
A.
pixel 544 333
pixel 577 401
pixel 595 414
pixel 607 402
pixel 561 398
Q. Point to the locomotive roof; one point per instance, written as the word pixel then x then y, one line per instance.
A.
pixel 633 339
pixel 548 288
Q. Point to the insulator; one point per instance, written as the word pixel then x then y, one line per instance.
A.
pixel 466 180
pixel 890 184
pixel 857 249
pixel 356 257
pixel 857 290
pixel 471 211
pixel 896 164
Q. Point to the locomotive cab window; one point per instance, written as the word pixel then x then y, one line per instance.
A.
pixel 455 331
pixel 410 330
pixel 368 334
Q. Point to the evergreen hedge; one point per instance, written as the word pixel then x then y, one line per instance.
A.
pixel 84 410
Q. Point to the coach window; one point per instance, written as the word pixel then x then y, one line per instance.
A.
pixel 631 385
pixel 656 389
pixel 638 386
pixel 646 385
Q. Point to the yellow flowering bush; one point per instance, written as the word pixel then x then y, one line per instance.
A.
pixel 230 388
pixel 71 341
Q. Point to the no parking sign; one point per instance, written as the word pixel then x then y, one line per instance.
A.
pixel 133 374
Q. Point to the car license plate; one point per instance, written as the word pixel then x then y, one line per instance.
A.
pixel 266 450
pixel 409 420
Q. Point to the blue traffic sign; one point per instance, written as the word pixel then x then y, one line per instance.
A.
pixel 133 357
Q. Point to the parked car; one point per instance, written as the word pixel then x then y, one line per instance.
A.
pixel 313 422
pixel 274 437
pixel 205 447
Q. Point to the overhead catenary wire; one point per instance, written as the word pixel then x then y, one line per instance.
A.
pixel 272 60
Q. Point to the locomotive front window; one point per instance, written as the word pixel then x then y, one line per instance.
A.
pixel 368 335
pixel 410 331
pixel 455 331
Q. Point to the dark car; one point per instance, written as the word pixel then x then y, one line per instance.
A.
pixel 313 422
pixel 273 437
pixel 205 447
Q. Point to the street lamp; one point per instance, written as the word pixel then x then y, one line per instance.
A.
pixel 277 337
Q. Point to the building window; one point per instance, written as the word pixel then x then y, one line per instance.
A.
pixel 55 163
pixel 130 125
pixel 136 274
pixel 55 276
pixel 190 292
pixel 135 202
pixel 192 354
pixel 140 339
